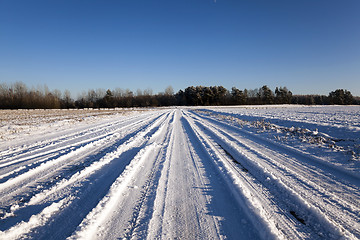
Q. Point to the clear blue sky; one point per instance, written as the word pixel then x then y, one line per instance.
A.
pixel 310 46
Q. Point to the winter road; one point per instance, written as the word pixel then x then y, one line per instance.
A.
pixel 171 174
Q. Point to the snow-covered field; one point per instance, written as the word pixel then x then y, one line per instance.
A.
pixel 255 172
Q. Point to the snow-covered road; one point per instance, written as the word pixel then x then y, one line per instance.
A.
pixel 171 174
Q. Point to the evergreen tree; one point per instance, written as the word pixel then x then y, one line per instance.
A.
pixel 341 97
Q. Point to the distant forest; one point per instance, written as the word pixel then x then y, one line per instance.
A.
pixel 19 96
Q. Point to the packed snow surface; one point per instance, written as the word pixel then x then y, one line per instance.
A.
pixel 249 172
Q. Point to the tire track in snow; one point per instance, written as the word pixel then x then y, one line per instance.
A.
pixel 66 142
pixel 70 143
pixel 75 165
pixel 20 230
pixel 86 185
pixel 16 151
pixel 191 202
pixel 34 176
pixel 33 159
pixel 114 205
pixel 251 195
pixel 307 187
pixel 89 228
pixel 44 156
pixel 138 224
pixel 173 174
pixel 275 188
pixel 125 144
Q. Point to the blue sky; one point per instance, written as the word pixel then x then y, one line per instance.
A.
pixel 309 46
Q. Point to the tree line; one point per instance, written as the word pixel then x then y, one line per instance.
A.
pixel 19 96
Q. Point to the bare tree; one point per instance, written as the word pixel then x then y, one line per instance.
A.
pixel 169 91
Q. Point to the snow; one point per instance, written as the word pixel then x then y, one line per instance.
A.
pixel 243 172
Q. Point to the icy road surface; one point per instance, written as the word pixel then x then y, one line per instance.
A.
pixel 180 174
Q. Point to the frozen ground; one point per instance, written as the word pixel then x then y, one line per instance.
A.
pixel 268 172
